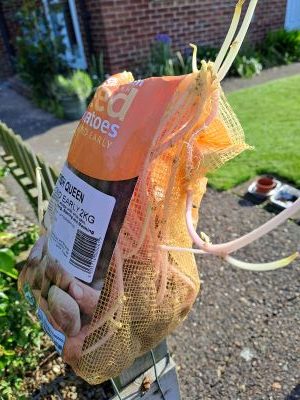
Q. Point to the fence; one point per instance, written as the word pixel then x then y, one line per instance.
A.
pixel 161 370
pixel 22 161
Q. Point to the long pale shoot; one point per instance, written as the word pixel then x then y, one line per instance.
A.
pixel 236 44
pixel 225 249
pixel 230 34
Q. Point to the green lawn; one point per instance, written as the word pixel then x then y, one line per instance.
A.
pixel 270 116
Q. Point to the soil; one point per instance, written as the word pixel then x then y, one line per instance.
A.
pixel 241 339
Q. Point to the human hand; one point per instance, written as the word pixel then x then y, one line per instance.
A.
pixel 67 302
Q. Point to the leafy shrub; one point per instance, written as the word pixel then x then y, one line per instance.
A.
pixel 20 339
pixel 160 62
pixel 40 55
pixel 247 67
pixel 20 333
pixel 280 47
pixel 96 70
pixel 3 171
pixel 78 84
pixel 207 53
pixel 164 62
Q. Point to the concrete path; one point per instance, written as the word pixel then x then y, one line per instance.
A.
pixel 232 84
pixel 46 134
pixel 51 137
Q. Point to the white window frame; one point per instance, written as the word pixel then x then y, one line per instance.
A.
pixel 80 62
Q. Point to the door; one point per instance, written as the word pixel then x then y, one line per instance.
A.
pixel 292 18
pixel 63 19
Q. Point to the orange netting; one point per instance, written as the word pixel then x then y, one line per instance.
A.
pixel 149 291
pixel 170 132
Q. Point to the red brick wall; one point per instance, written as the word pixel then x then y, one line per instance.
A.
pixel 97 29
pixel 125 28
pixel 9 9
pixel 5 64
pixel 83 19
pixel 270 15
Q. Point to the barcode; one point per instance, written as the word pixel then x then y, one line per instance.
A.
pixel 85 251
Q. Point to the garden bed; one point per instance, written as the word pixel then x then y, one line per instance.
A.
pixel 29 364
pixel 243 323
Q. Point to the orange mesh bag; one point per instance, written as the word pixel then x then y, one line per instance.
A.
pixel 114 271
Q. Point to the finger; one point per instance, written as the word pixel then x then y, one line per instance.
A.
pixel 43 305
pixel 64 310
pixel 44 282
pixel 33 260
pixel 86 297
pixel 29 276
pixel 37 251
pixel 22 278
pixel 36 274
pixel 73 346
pixel 57 275
pixel 37 295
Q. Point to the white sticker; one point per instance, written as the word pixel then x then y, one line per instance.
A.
pixel 57 337
pixel 80 215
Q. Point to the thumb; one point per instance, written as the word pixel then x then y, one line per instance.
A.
pixel 37 251
pixel 86 297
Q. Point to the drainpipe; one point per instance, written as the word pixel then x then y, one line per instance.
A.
pixel 5 36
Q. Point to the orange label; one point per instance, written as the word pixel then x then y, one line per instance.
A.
pixel 115 133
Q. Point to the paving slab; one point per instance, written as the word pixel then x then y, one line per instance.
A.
pixel 270 74
pixel 46 134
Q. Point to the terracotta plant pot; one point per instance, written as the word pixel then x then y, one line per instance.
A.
pixel 265 184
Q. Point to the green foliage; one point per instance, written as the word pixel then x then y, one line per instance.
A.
pixel 7 263
pixel 20 333
pixel 3 224
pixel 51 105
pixel 97 72
pixel 6 239
pixel 11 246
pixel 207 53
pixel 269 114
pixel 39 52
pixel 78 84
pixel 247 67
pixel 24 240
pixel 280 47
pixel 164 62
pixel 19 341
pixel 160 59
pixel 3 171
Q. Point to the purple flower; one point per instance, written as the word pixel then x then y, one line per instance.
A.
pixel 163 38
